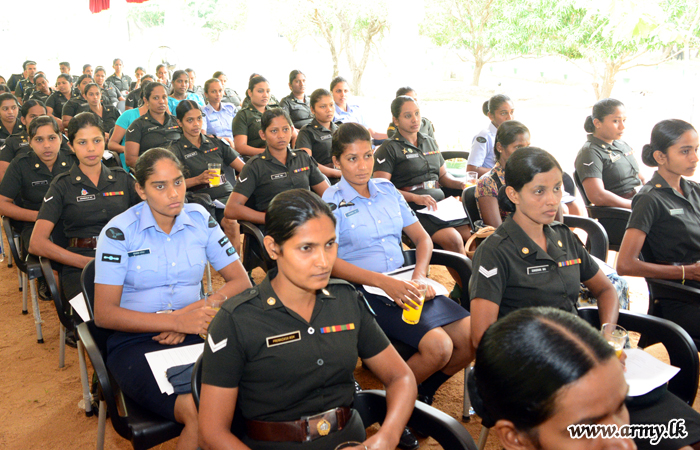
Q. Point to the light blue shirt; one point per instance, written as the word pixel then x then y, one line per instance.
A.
pixel 173 102
pixel 368 230
pixel 482 154
pixel 219 122
pixel 352 115
pixel 160 271
pixel 124 120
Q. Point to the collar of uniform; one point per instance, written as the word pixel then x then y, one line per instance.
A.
pixel 492 128
pixel 523 241
pixel 17 128
pixel 400 137
pixel 658 182
pixel 150 118
pixel 317 125
pixel 267 156
pixel 77 176
pixel 146 219
pixel 349 193
pixel 267 293
pixel 601 143
pixel 294 99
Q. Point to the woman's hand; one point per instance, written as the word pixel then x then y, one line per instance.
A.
pixel 403 293
pixel 425 200
pixel 195 321
pixel 430 293
pixel 169 338
pixel 205 176
pixel 692 271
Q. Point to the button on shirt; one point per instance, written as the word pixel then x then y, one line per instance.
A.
pixel 219 122
pixel 158 270
pixel 196 160
pixel 410 165
pixel 247 122
pixel 150 133
pixel 29 176
pixel 298 110
pixel 670 220
pixel 369 229
pixel 306 372
pixel 482 154
pixel 265 176
pixel 352 115
pixel 318 139
pixel 614 163
pixel 85 208
pixel 512 271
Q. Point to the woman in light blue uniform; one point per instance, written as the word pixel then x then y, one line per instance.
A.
pixel 218 115
pixel 371 214
pixel 150 260
pixel 498 109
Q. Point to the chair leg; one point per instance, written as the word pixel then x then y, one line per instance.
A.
pixel 467 405
pixel 62 347
pixel 101 423
pixel 23 289
pixel 37 313
pixel 19 278
pixel 483 437
pixel 85 380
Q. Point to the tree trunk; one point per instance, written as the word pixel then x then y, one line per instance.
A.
pixel 478 65
pixel 606 88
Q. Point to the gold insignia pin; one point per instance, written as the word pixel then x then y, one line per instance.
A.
pixel 77 178
pixel 323 427
pixel 36 165
pixel 63 163
pixel 325 291
pixel 262 157
pixel 271 301
pixel 294 154
pixel 109 176
pixel 658 185
pixel 525 250
pixel 405 151
pixel 560 244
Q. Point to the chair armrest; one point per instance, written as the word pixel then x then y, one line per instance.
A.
pixel 609 212
pixel 68 320
pixel 252 229
pixel 597 236
pixel 460 263
pixel 10 234
pixel 445 429
pixel 673 290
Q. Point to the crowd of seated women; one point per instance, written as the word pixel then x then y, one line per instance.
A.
pixel 332 203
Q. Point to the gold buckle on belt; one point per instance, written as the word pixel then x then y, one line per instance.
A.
pixel 429 184
pixel 319 424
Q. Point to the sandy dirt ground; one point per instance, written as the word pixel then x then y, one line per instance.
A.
pixel 40 401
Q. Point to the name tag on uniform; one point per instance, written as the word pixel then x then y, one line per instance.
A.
pixel 85 198
pixel 676 212
pixel 213 119
pixel 277 176
pixel 615 156
pixel 257 120
pixel 534 270
pixel 352 213
pixel 326 137
pixel 152 128
pixel 143 251
pixel 189 155
pixel 412 155
pixel 38 183
pixel 282 339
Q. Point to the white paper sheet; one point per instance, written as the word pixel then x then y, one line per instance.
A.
pixel 645 373
pixel 79 306
pixel 448 209
pixel 219 205
pixel 404 273
pixel 162 360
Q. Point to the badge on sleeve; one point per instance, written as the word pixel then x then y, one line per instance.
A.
pixel 332 206
pixel 216 347
pixel 230 251
pixel 115 233
pixel 481 139
pixel 488 273
pixel 212 222
pixel 223 241
pixel 111 258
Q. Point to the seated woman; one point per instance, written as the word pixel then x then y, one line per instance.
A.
pixel 567 374
pixel 296 103
pixel 426 126
pixel 9 122
pixel 316 137
pixel 511 135
pixel 218 115
pixel 83 199
pixel 163 75
pixel 196 151
pixel 30 174
pixel 150 260
pixel 181 81
pixel 606 165
pixel 77 103
pixel 139 72
pixel 107 113
pixel 41 89
pixel 156 128
pixel 63 93
pixel 498 109
pixel 665 216
pixel 110 94
pixel 276 170
pixel 530 260
pixel 304 374
pixel 366 251
pixel 230 96
pixel 412 161
pixel 248 140
pixel 119 80
pixel 134 99
pixel 345 111
pixel 117 140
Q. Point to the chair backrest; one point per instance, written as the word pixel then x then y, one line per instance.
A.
pixel 579 185
pixel 597 243
pixel 87 282
pixel 470 206
pixel 453 154
pixel 62 306
pixel 11 234
pixel 681 349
